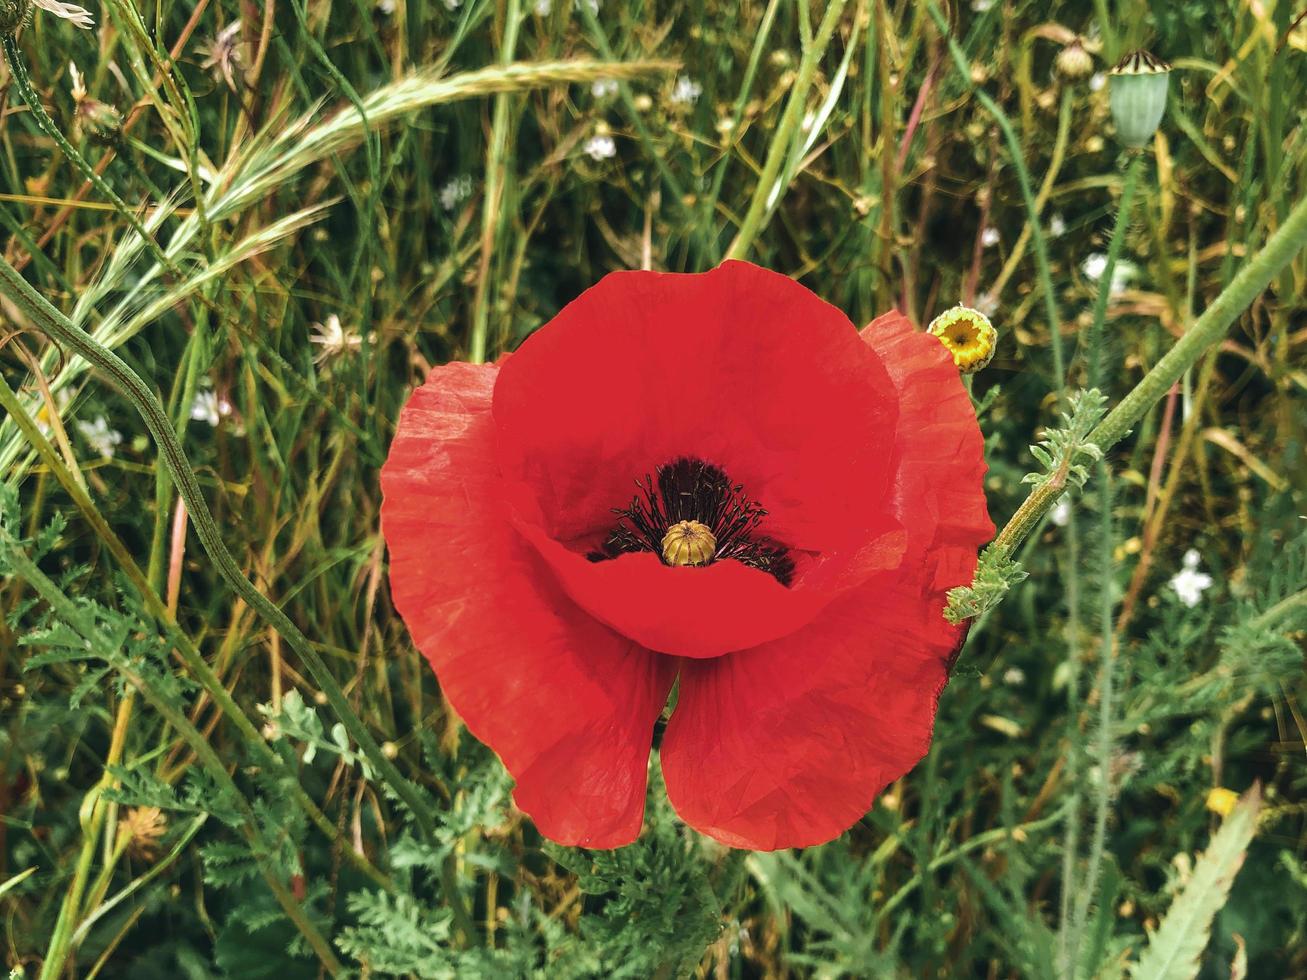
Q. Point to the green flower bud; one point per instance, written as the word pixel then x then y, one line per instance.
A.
pixel 101 122
pixel 1073 62
pixel 1138 97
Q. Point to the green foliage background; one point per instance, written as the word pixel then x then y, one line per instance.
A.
pixel 456 220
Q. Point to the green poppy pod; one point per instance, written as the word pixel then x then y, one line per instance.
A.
pixel 1138 97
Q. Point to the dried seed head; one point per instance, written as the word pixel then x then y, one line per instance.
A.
pixel 13 13
pixel 1073 62
pixel 1138 97
pixel 143 826
pixel 224 58
pixel 968 335
pixel 688 543
pixel 91 116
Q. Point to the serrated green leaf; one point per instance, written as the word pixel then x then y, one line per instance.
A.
pixel 1174 951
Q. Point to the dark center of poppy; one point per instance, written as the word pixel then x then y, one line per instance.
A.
pixel 690 513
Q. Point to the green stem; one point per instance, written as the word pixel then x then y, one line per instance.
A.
pixel 1094 338
pixel 779 150
pixel 708 208
pixel 54 324
pixel 1027 193
pixel 1103 797
pixel 1071 843
pixel 1285 607
pixel 24 84
pixel 1070 932
pixel 492 212
pixel 137 884
pixel 77 619
pixel 1207 330
pixel 185 647
pixel 1107 30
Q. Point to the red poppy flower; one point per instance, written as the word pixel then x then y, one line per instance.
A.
pixel 713 478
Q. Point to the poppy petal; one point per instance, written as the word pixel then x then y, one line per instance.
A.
pixel 938 493
pixel 788 744
pixel 740 367
pixel 568 704
pixel 696 612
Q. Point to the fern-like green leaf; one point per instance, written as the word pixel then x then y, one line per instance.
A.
pixel 1175 949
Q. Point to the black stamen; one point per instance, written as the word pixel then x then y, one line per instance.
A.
pixel 692 490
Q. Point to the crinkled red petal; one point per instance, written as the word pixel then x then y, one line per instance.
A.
pixel 568 704
pixel 788 744
pixel 740 367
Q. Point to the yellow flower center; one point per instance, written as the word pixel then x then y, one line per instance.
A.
pixel 968 335
pixel 688 543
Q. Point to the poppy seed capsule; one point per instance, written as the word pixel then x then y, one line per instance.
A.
pixel 968 335
pixel 1138 97
pixel 688 543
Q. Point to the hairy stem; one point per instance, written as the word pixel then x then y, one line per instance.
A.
pixel 1094 338
pixel 24 85
pixel 1209 328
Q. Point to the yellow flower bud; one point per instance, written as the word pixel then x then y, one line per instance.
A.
pixel 968 335
pixel 1221 800
pixel 1073 62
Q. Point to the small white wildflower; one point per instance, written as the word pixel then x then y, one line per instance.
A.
pixel 1097 81
pixel 78 84
pixel 603 87
pixel 542 7
pixel 600 147
pixel 77 16
pixel 1095 265
pixel 224 56
pixel 1057 226
pixel 102 439
pixel 989 237
pixel 1189 583
pixel 1014 676
pixel 1061 513
pixel 207 407
pixel 455 192
pixel 334 339
pixel 986 303
pixel 386 8
pixel 452 5
pixel 687 91
pixel 980 6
